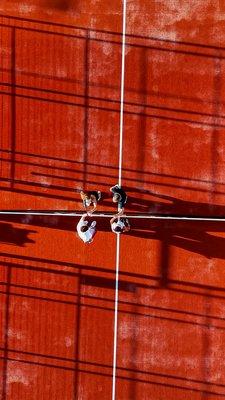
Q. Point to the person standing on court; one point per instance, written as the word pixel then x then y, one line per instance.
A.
pixel 90 198
pixel 85 229
pixel 120 197
pixel 119 224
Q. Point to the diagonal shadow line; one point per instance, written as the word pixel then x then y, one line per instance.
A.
pixel 118 376
pixel 100 269
pixel 118 43
pixel 108 167
pixel 155 38
pixel 81 305
pixel 48 32
pixel 108 366
pixel 108 300
pixel 108 100
pixel 122 273
pixel 40 186
pixel 98 85
pixel 140 284
pixel 65 178
pixel 56 263
pixel 40 194
pixel 161 117
pixel 131 90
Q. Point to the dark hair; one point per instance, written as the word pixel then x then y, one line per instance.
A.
pixel 118 229
pixel 84 228
pixel 117 196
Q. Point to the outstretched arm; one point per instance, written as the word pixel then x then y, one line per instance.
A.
pixel 81 222
pixel 82 195
pixel 94 202
pixel 113 219
pixel 93 209
pixel 120 211
pixel 83 217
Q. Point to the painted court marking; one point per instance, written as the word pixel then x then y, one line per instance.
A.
pixel 116 317
pixel 122 93
pixel 119 183
pixel 102 215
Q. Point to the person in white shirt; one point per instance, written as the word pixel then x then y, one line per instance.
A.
pixel 119 224
pixel 85 229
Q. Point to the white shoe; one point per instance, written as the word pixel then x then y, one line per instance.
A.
pixel 93 224
pixel 99 195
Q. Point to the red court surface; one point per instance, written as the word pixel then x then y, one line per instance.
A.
pixel 60 70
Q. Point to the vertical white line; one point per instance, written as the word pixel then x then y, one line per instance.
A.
pixel 116 317
pixel 119 183
pixel 122 92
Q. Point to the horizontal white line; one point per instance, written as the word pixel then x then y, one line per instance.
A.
pixel 102 215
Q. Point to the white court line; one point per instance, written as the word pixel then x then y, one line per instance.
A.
pixel 99 215
pixel 116 317
pixel 122 93
pixel 119 183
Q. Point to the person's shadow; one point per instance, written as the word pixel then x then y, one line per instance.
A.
pixel 12 235
pixel 164 204
pixel 202 237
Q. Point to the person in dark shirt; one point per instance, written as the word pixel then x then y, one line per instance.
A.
pixel 120 197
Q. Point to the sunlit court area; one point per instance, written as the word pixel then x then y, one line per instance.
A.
pixel 112 200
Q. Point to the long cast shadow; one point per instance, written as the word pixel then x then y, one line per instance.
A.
pixel 169 205
pixel 12 235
